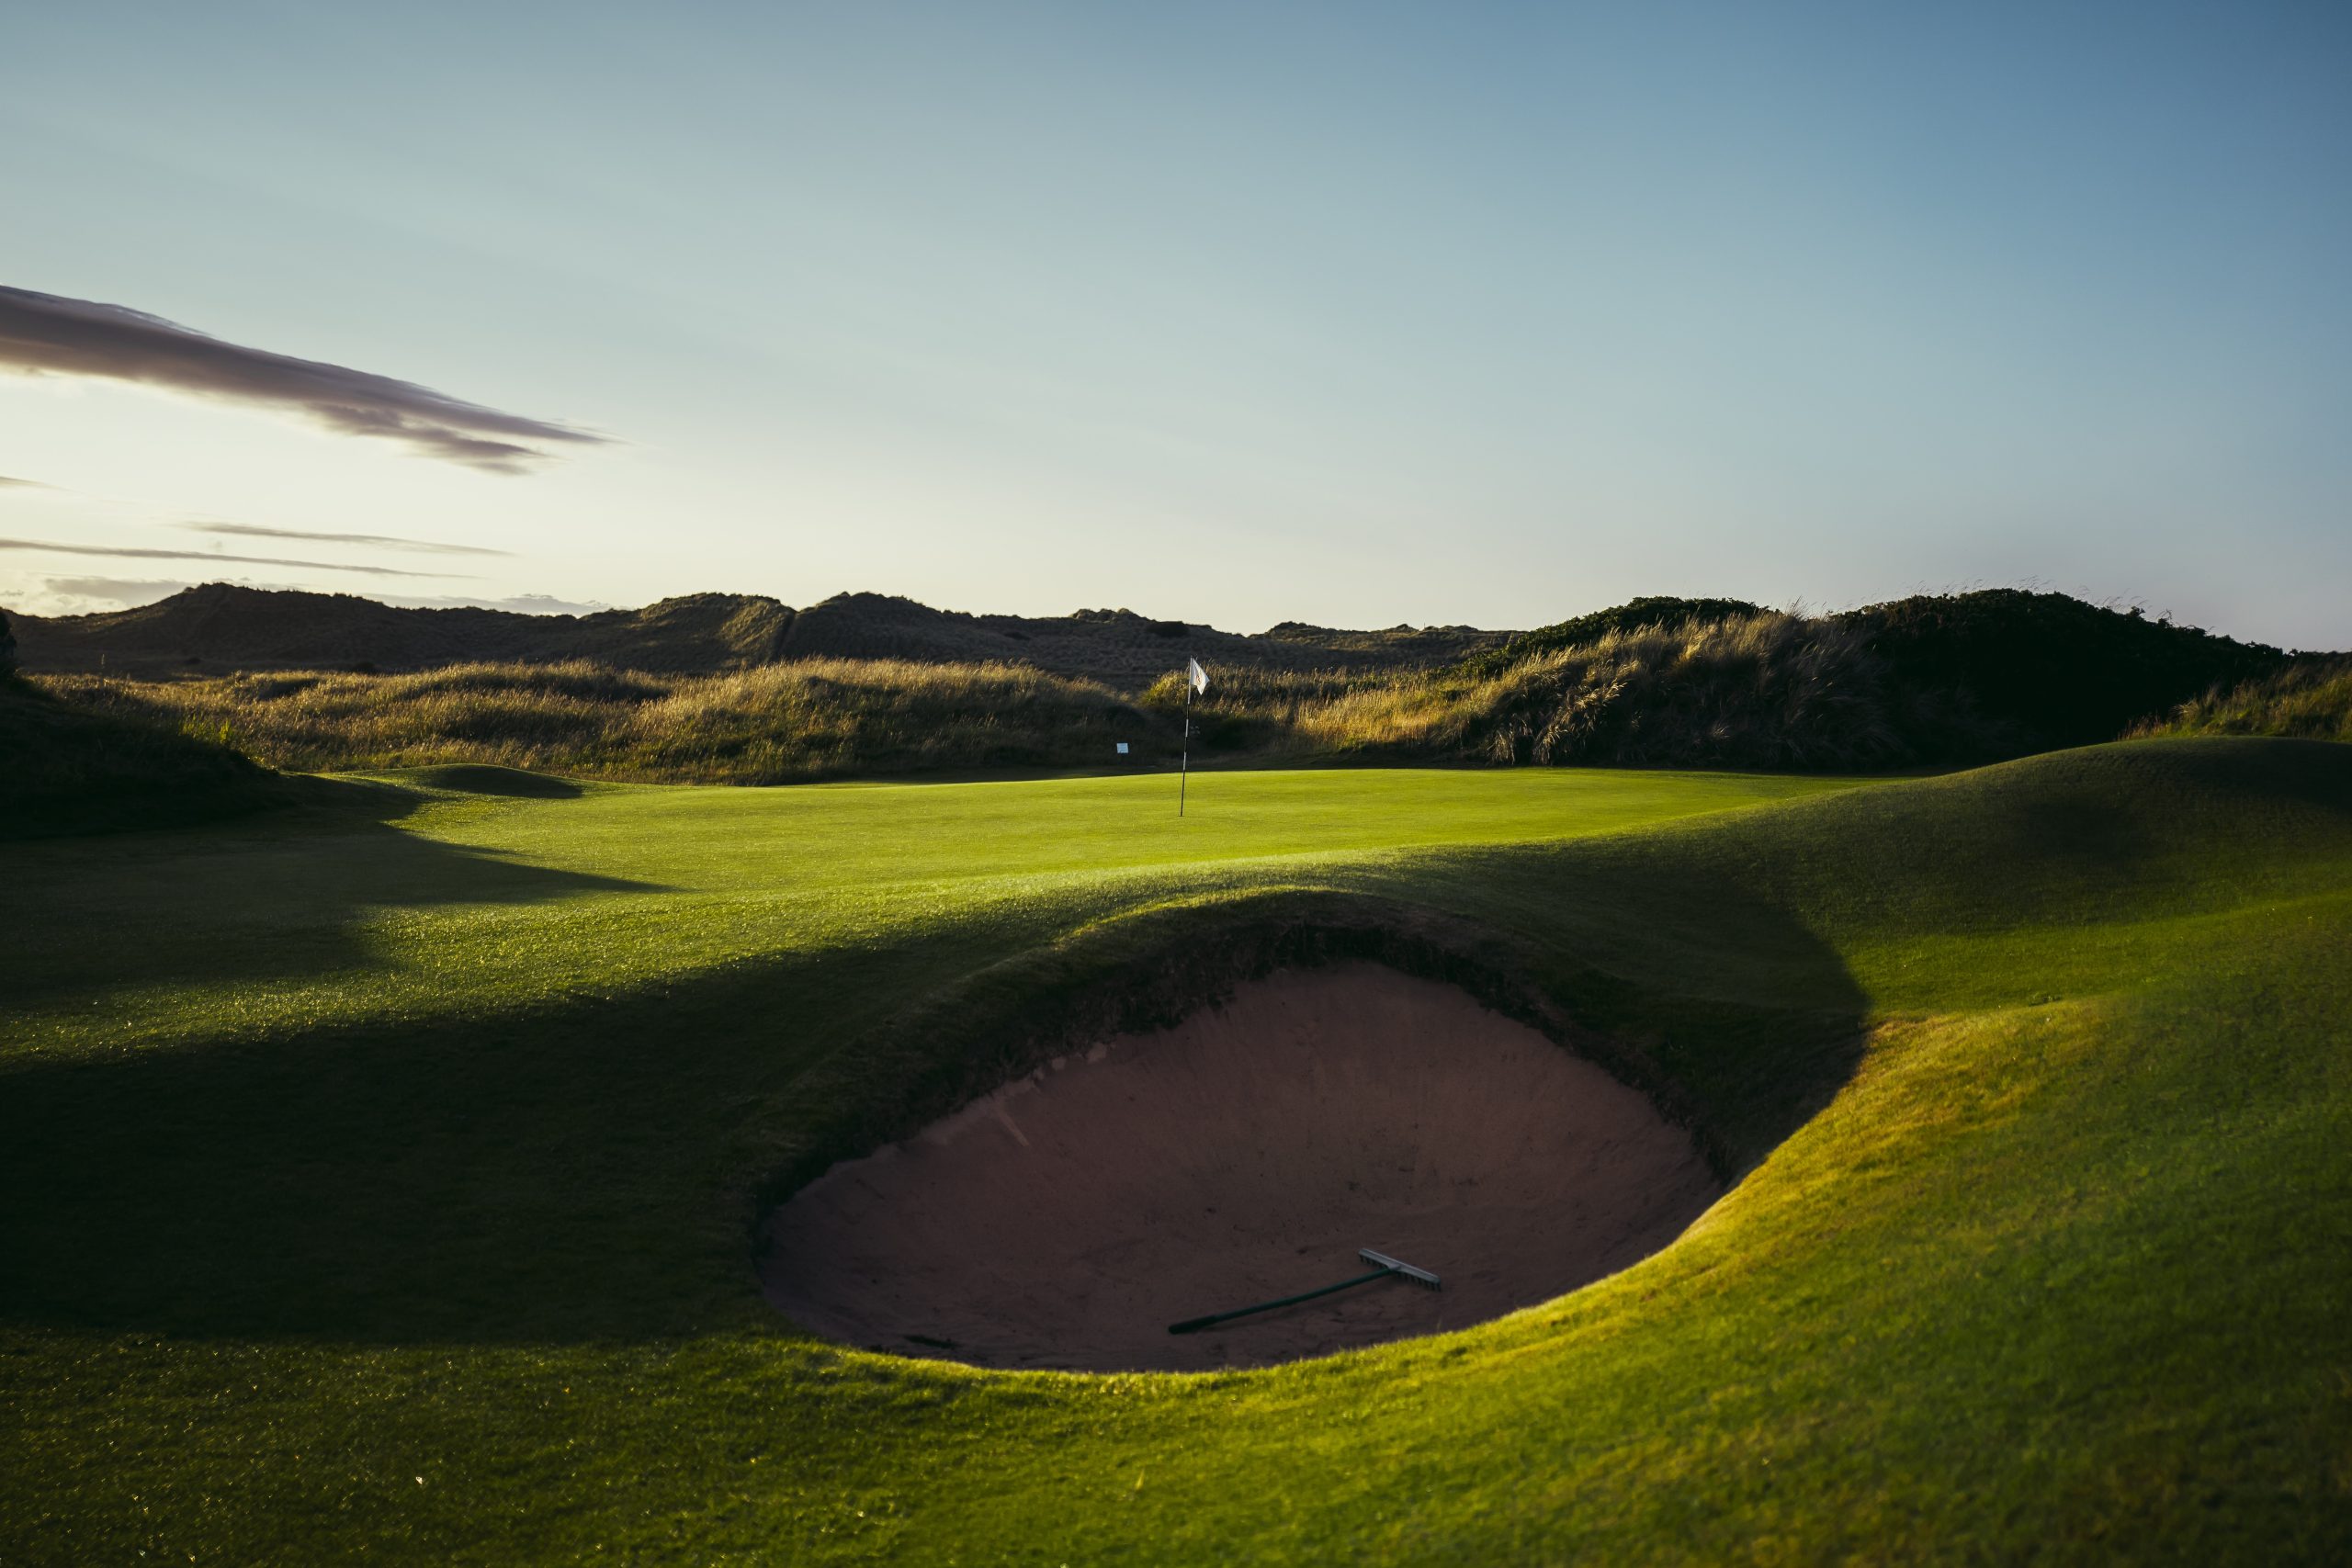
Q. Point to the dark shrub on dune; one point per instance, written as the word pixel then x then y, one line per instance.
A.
pixel 2042 670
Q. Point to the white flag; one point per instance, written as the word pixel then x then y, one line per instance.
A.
pixel 1194 674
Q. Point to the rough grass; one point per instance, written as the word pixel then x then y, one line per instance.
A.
pixel 1767 690
pixel 1930 681
pixel 394 1206
pixel 1764 691
pixel 1757 692
pixel 774 724
pixel 2310 699
pixel 1663 612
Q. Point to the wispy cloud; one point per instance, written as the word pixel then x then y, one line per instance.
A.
pixel 45 332
pixel 78 595
pixel 521 604
pixel 9 483
pixel 50 593
pixel 129 552
pixel 380 541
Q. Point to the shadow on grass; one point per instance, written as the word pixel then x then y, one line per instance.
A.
pixel 590 1170
pixel 593 1171
pixel 551 1175
pixel 273 898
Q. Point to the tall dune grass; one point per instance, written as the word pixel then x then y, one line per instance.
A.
pixel 2310 699
pixel 1766 689
pixel 816 719
pixel 1755 690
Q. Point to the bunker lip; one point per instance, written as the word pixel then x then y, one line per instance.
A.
pixel 1248 1152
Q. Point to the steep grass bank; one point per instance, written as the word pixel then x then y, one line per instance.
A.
pixel 66 768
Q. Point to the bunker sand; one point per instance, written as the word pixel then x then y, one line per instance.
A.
pixel 1066 1219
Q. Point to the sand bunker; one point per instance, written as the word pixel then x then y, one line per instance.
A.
pixel 1066 1219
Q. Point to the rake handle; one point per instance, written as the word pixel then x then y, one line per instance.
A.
pixel 1195 1325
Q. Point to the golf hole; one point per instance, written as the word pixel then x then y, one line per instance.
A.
pixel 1250 1152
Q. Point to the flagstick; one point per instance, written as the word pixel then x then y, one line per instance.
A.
pixel 1184 766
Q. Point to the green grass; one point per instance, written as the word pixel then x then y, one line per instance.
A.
pixel 377 1176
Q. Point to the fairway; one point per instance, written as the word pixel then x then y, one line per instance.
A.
pixel 465 901
pixel 382 1177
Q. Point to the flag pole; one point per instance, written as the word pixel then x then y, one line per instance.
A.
pixel 1184 765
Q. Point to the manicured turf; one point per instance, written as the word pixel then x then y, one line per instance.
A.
pixel 370 1179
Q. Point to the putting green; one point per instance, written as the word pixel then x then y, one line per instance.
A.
pixel 377 1182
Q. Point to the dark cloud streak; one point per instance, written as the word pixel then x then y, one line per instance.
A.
pixel 381 541
pixel 129 552
pixel 47 333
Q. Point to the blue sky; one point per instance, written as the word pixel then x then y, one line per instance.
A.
pixel 1357 314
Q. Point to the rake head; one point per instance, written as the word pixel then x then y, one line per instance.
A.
pixel 1421 1277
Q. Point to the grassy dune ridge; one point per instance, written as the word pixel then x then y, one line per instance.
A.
pixel 398 1206
pixel 1758 690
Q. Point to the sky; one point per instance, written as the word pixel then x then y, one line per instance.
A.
pixel 1358 314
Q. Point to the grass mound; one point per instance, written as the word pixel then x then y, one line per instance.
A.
pixel 402 1206
pixel 66 769
pixel 483 778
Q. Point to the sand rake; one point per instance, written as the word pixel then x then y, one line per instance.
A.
pixel 1385 1267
